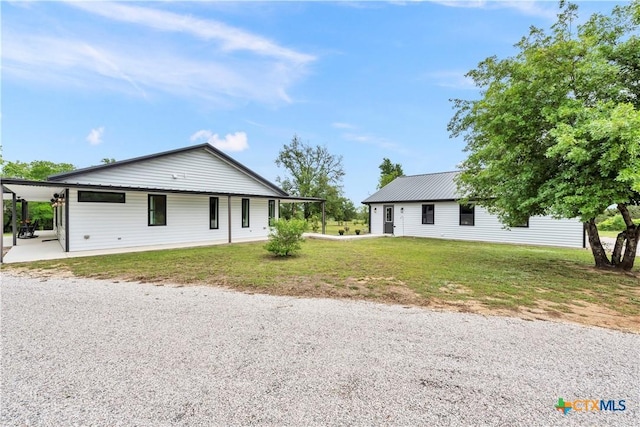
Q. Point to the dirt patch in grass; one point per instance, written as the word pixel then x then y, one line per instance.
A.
pixel 580 312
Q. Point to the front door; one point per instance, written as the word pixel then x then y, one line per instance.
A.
pixel 388 219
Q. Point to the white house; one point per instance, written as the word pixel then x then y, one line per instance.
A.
pixel 194 195
pixel 427 206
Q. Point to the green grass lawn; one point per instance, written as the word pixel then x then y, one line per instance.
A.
pixel 403 270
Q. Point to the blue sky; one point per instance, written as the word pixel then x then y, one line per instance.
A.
pixel 82 81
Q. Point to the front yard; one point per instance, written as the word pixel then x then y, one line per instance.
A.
pixel 524 281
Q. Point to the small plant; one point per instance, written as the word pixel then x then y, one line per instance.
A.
pixel 357 231
pixel 346 228
pixel 315 223
pixel 341 232
pixel 286 236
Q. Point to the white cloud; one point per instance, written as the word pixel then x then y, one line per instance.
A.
pixel 339 125
pixel 231 68
pixel 375 141
pixel 451 78
pixel 231 142
pixel 526 7
pixel 95 136
pixel 230 38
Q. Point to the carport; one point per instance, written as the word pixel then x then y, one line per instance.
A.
pixel 25 191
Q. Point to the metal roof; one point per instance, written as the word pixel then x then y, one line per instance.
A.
pixel 418 188
pixel 64 176
pixel 42 191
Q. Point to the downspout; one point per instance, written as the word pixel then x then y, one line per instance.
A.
pixel 369 206
pixel 67 202
pixel 323 218
pixel 229 214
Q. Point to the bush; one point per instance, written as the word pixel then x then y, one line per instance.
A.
pixel 286 236
pixel 315 223
pixel 614 223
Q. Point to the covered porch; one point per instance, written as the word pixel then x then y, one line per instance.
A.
pixel 43 247
pixel 46 244
pixel 54 244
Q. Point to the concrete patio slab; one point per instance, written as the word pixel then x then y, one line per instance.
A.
pixel 47 247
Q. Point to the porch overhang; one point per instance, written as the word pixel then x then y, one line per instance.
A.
pixel 31 191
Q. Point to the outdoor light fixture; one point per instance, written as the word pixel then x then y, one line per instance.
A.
pixel 401 210
pixel 375 210
pixel 58 200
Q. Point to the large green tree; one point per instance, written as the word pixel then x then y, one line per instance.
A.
pixel 557 127
pixel 311 172
pixel 37 170
pixel 388 172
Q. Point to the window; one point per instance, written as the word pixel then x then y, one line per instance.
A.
pixel 524 224
pixel 213 213
pixel 388 213
pixel 272 211
pixel 467 215
pixel 245 213
pixel 100 197
pixel 428 214
pixel 157 209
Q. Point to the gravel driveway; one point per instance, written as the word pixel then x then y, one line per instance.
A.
pixel 84 352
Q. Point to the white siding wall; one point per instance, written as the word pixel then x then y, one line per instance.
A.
pixel 118 225
pixel 258 220
pixel 194 170
pixel 541 230
pixel 377 218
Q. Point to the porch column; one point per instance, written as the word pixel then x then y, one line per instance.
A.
pixel 2 222
pixel 14 230
pixel 25 210
pixel 323 218
pixel 67 226
pixel 229 213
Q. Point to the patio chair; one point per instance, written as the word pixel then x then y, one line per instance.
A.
pixel 32 229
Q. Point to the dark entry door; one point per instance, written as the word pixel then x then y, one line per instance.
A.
pixel 388 219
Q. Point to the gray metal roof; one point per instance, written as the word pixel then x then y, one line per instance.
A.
pixel 62 177
pixel 418 188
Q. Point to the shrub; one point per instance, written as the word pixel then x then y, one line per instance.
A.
pixel 286 236
pixel 614 223
pixel 315 223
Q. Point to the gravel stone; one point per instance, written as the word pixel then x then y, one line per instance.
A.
pixel 80 352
